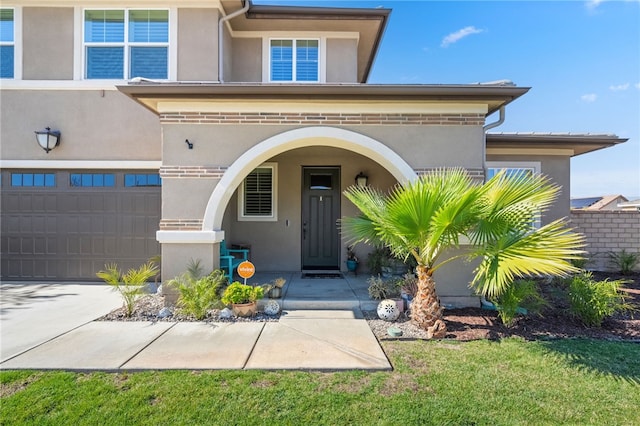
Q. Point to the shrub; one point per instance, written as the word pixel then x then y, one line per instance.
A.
pixel 623 261
pixel 130 285
pixel 580 262
pixel 592 301
pixel 238 293
pixel 380 289
pixel 198 293
pixel 409 285
pixel 520 294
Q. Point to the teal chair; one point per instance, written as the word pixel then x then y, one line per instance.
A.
pixel 231 258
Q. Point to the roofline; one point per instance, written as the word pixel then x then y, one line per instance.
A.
pixel 467 92
pixel 326 13
pixel 587 142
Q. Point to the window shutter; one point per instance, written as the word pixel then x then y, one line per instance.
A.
pixel 258 193
pixel 105 62
pixel 6 36
pixel 307 60
pixel 149 62
pixel 149 26
pixel 281 60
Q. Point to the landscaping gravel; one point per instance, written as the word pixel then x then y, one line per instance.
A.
pixel 462 324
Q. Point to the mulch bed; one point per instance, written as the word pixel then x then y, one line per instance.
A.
pixel 555 322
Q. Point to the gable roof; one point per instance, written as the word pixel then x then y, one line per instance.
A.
pixel 597 203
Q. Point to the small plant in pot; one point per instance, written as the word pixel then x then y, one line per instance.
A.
pixel 352 260
pixel 242 298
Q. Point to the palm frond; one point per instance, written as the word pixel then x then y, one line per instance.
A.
pixel 545 251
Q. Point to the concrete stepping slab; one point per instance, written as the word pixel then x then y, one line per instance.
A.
pixel 99 345
pixel 322 344
pixel 200 346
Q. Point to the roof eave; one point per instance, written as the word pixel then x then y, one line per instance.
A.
pixel 494 96
pixel 579 143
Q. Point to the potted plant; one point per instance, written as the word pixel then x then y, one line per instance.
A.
pixel 242 298
pixel 352 260
pixel 274 288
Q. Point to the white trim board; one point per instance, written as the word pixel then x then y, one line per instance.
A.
pixel 80 164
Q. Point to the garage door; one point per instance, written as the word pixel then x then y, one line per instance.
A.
pixel 65 225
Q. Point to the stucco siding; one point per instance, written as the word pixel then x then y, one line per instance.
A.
pixel 197 44
pixel 276 246
pixel 47 43
pixel 185 198
pixel 420 146
pixel 246 60
pixel 558 169
pixel 95 125
pixel 342 61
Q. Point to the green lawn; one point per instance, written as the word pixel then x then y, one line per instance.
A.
pixel 483 382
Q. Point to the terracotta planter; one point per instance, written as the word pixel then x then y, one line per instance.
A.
pixel 245 309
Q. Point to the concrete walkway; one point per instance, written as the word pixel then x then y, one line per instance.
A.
pixel 51 326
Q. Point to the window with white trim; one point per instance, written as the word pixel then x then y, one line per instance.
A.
pixel 293 60
pixel 7 43
pixel 514 168
pixel 257 200
pixel 123 44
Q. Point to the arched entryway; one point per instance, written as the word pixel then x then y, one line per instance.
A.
pixel 294 139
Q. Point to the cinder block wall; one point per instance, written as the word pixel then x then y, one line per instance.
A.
pixel 605 232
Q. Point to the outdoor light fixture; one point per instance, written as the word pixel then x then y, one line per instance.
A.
pixel 189 144
pixel 361 180
pixel 48 139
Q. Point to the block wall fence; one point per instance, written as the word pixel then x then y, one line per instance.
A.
pixel 605 232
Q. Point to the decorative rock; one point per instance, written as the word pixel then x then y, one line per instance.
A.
pixel 388 310
pixel 159 290
pixel 272 307
pixel 165 313
pixel 226 313
pixel 394 332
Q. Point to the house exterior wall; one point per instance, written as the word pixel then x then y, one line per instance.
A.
pixel 48 43
pixel 342 61
pixel 247 60
pixel 197 44
pixel 606 232
pixel 557 168
pixel 276 246
pixel 95 124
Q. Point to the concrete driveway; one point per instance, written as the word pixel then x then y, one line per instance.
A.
pixel 34 313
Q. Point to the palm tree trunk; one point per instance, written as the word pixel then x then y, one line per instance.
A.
pixel 426 311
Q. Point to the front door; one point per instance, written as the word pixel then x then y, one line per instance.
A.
pixel 320 213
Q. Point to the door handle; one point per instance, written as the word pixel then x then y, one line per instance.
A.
pixel 304 231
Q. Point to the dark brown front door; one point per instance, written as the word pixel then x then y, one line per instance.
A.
pixel 320 212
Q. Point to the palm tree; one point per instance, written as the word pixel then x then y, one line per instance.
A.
pixel 441 211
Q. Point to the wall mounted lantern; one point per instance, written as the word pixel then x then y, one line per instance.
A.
pixel 48 139
pixel 361 180
pixel 189 144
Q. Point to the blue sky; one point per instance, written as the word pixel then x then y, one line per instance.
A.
pixel 580 58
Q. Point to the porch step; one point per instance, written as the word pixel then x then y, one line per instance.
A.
pixel 339 305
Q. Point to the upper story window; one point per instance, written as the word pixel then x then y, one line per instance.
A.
pixel 7 43
pixel 123 44
pixel 294 60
